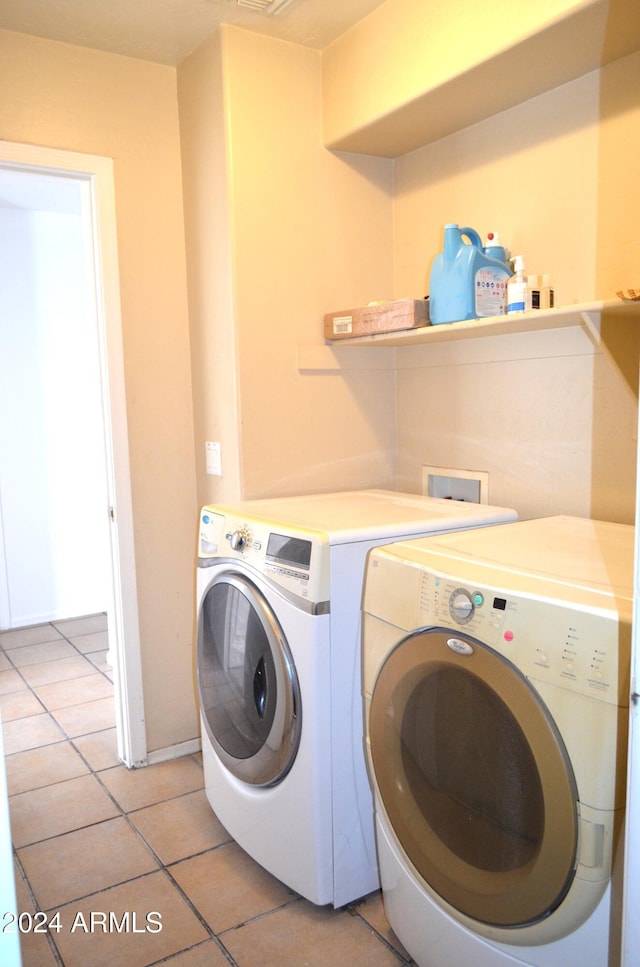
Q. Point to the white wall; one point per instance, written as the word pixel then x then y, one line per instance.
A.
pixel 53 501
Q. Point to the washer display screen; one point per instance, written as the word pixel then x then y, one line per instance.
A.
pixel 283 549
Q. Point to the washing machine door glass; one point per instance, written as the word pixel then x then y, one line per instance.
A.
pixel 249 692
pixel 474 778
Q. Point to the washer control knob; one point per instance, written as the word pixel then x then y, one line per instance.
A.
pixel 240 539
pixel 461 606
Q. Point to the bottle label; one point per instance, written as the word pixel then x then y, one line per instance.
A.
pixel 491 290
pixel 516 296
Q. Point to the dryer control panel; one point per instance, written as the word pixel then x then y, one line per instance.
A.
pixel 586 650
pixel 297 562
pixel 480 612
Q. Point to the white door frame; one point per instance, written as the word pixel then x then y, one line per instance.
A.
pixel 95 173
pixel 631 889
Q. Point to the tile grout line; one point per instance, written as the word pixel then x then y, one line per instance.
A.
pixel 66 738
pixel 32 898
pixel 165 869
pixel 17 861
pixel 162 867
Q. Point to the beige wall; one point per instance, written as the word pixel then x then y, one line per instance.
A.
pixel 309 232
pixel 550 416
pixel 67 97
pixel 280 231
pixel 208 204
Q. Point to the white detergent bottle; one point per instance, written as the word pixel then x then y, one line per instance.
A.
pixel 517 287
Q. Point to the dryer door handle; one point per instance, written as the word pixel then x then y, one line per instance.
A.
pixel 592 845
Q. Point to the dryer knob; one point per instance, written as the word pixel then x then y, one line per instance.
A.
pixel 461 606
pixel 239 540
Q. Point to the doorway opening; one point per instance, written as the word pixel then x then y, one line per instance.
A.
pixel 65 503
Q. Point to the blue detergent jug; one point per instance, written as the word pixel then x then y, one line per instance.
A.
pixel 465 282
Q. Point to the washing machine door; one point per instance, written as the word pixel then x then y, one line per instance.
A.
pixel 247 682
pixel 474 778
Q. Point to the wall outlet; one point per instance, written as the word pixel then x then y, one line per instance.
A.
pixel 213 458
pixel 453 484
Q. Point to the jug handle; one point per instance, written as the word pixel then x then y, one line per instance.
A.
pixel 472 235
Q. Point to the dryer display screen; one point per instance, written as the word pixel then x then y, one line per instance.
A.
pixel 284 549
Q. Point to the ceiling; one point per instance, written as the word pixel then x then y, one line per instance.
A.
pixel 166 31
pixel 162 31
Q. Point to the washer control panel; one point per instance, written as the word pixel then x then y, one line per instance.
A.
pixel 295 561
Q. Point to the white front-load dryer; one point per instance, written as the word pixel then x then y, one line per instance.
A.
pixel 496 680
pixel 279 588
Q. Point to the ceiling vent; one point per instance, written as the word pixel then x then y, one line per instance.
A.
pixel 266 6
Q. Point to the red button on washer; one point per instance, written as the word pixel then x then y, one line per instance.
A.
pixel 508 636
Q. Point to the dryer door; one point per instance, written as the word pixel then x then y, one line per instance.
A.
pixel 474 778
pixel 249 692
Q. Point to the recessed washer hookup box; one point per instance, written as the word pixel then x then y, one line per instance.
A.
pixel 377 317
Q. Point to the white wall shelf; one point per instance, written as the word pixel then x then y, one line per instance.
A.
pixel 584 37
pixel 588 315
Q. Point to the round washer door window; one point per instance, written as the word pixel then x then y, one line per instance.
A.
pixel 474 778
pixel 248 687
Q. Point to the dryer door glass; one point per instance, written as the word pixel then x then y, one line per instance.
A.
pixel 249 693
pixel 475 778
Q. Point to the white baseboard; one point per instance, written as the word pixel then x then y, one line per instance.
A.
pixel 174 751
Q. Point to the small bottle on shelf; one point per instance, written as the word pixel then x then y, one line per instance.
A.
pixel 517 287
pixel 539 293
pixel 547 294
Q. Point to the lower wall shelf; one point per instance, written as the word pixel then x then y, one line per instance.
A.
pixel 588 315
pixel 378 352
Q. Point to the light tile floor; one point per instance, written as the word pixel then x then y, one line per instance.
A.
pixel 110 855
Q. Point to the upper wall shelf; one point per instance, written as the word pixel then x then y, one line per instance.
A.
pixel 589 315
pixel 588 36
